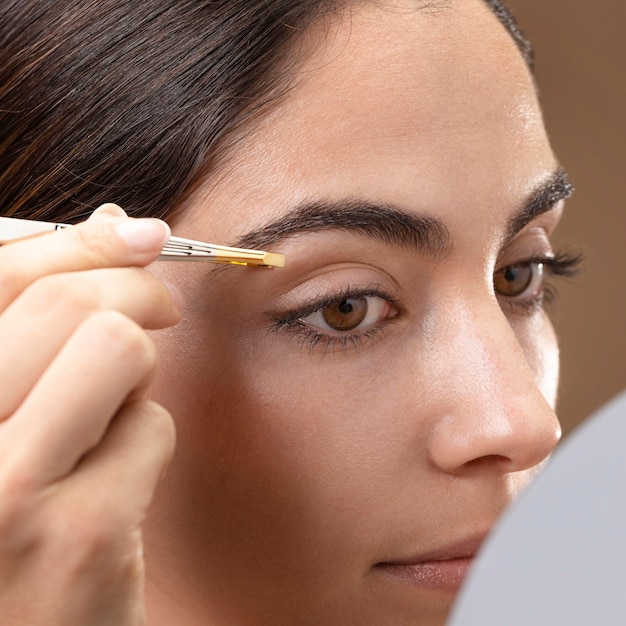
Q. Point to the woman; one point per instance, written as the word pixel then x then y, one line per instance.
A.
pixel 349 427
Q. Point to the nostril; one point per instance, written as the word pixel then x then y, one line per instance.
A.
pixel 490 460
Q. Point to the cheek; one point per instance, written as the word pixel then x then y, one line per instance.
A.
pixel 288 461
pixel 274 428
pixel 540 345
pixel 301 439
pixel 286 423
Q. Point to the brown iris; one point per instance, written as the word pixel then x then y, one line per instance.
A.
pixel 514 280
pixel 346 314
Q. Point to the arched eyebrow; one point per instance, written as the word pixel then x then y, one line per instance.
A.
pixel 543 199
pixel 386 223
pixel 392 225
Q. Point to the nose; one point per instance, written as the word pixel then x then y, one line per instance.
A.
pixel 492 409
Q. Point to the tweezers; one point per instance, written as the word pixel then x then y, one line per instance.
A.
pixel 176 248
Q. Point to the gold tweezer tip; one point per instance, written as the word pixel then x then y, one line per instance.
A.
pixel 274 259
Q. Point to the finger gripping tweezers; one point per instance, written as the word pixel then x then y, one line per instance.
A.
pixel 176 248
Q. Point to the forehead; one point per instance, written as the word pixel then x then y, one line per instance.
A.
pixel 398 69
pixel 386 92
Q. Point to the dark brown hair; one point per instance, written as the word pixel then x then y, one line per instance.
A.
pixel 133 101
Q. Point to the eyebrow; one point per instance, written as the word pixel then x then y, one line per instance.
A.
pixel 384 223
pixel 392 225
pixel 549 193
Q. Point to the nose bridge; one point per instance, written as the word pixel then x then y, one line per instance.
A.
pixel 493 405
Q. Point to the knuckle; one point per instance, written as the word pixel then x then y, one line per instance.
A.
pixel 56 291
pixel 122 336
pixel 93 539
pixel 17 496
pixel 86 533
pixel 101 248
pixel 11 279
pixel 11 517
pixel 16 486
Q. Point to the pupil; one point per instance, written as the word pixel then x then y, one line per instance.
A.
pixel 512 281
pixel 347 314
pixel 510 274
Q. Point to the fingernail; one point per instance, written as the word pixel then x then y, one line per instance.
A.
pixel 143 235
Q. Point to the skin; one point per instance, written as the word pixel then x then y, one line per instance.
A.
pixel 304 460
pixel 299 468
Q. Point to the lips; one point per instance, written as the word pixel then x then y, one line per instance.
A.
pixel 442 569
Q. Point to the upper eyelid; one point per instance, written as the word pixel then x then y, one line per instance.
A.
pixel 524 259
pixel 554 261
pixel 526 245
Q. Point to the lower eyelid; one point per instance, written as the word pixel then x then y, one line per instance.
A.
pixel 317 340
pixel 524 307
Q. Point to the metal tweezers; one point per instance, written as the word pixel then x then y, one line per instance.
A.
pixel 176 248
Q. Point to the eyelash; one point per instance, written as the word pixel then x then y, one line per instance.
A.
pixel 559 265
pixel 562 264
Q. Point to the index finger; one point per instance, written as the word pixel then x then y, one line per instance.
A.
pixel 107 239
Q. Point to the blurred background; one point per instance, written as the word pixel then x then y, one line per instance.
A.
pixel 580 52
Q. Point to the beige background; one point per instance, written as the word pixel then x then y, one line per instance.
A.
pixel 581 60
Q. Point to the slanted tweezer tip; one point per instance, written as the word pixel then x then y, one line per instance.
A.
pixel 274 259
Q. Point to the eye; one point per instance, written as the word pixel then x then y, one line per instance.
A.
pixel 350 313
pixel 342 322
pixel 518 281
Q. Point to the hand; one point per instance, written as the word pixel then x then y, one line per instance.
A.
pixel 81 448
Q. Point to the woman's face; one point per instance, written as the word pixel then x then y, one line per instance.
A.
pixel 350 426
